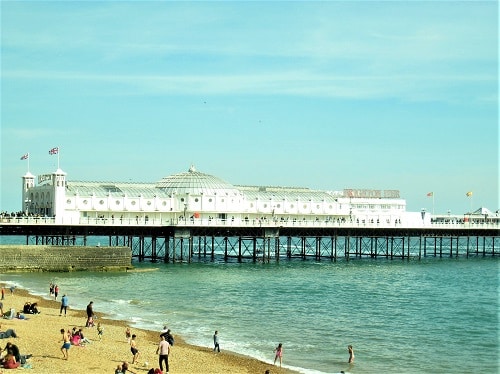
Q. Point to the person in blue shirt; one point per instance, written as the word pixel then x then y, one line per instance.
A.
pixel 64 305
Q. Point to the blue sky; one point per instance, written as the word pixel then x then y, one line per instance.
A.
pixel 326 95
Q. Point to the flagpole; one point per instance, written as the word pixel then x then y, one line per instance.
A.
pixel 433 203
pixel 58 149
pixel 28 162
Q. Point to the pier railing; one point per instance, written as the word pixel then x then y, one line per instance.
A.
pixel 215 222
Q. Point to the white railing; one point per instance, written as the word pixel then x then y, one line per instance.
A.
pixel 215 222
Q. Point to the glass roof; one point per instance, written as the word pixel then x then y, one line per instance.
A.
pixel 194 182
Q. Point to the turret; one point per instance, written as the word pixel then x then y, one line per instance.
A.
pixel 59 194
pixel 28 183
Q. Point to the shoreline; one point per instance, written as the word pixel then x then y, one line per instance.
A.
pixel 40 336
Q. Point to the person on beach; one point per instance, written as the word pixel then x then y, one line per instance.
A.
pixel 216 341
pixel 163 350
pixel 134 349
pixel 100 331
pixel 7 334
pixel 83 339
pixel 279 353
pixel 3 293
pixel 66 344
pixel 64 305
pixel 351 354
pixel 128 334
pixel 9 362
pixel 123 368
pixel 165 330
pixel 167 334
pixel 56 291
pixel 1 309
pixel 90 315
pixel 13 349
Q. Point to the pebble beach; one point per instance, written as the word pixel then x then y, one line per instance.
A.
pixel 39 335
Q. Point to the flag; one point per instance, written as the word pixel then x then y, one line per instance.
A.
pixel 430 194
pixel 25 156
pixel 468 194
pixel 54 151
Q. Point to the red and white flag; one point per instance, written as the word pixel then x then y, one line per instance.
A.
pixel 54 151
pixel 25 156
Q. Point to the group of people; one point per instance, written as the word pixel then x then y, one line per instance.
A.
pixel 30 308
pixel 54 290
pixel 163 351
pixel 11 358
pixel 77 337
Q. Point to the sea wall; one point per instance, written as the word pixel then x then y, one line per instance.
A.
pixel 19 258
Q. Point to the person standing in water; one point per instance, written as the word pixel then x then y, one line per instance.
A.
pixel 351 354
pixel 279 353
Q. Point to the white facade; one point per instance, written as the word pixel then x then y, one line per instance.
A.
pixel 194 197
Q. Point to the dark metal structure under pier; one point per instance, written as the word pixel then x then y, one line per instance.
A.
pixel 264 244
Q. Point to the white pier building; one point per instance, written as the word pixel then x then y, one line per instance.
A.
pixel 195 198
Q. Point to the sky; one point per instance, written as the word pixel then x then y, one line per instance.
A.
pixel 327 95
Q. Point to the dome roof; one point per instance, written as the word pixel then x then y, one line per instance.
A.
pixel 196 183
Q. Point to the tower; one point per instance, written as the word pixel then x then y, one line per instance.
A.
pixel 27 198
pixel 59 194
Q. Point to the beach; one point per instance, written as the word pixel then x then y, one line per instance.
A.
pixel 40 336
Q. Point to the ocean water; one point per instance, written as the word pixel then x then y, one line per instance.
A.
pixel 428 316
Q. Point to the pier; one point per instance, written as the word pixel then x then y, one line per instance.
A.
pixel 221 240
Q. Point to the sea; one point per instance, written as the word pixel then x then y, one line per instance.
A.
pixel 434 315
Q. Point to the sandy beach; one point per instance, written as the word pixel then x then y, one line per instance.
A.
pixel 40 336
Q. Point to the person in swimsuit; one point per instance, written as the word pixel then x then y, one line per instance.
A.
pixel 66 344
pixel 279 353
pixel 134 349
pixel 351 354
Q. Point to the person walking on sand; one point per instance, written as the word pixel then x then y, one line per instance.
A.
pixel 64 305
pixel 134 349
pixel 56 291
pixel 100 331
pixel 351 354
pixel 90 314
pixel 279 353
pixel 216 341
pixel 163 350
pixel 128 335
pixel 66 344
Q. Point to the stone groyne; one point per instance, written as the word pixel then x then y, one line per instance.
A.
pixel 26 258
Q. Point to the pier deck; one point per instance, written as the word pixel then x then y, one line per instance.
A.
pixel 188 241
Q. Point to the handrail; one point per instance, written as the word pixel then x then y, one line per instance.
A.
pixel 216 222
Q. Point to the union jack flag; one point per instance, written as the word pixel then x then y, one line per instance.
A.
pixel 25 156
pixel 54 151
